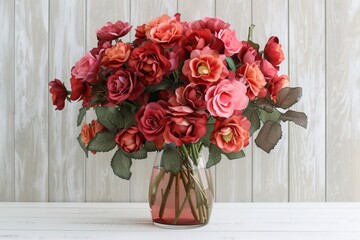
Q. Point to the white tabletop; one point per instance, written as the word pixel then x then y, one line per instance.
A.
pixel 132 221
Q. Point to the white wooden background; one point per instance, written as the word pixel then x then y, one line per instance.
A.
pixel 40 159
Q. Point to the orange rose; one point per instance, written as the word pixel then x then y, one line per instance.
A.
pixel 231 134
pixel 205 66
pixel 117 55
pixel 166 33
pixel 254 80
pixel 89 131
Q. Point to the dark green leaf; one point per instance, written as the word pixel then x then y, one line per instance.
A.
pixel 236 155
pixel 214 155
pixel 141 154
pixel 102 142
pixel 269 136
pixel 127 116
pixel 231 63
pixel 82 112
pixel 254 45
pixel 252 115
pixel 298 118
pixel 83 146
pixel 288 97
pixel 265 116
pixel 121 164
pixel 171 160
pixel 110 117
pixel 164 84
pixel 206 138
pixel 150 146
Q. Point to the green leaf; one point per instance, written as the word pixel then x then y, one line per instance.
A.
pixel 254 45
pixel 171 160
pixel 234 155
pixel 298 118
pixel 102 142
pixel 110 117
pixel 82 112
pixel 127 116
pixel 141 154
pixel 206 138
pixel 83 146
pixel 164 84
pixel 150 146
pixel 252 115
pixel 231 63
pixel 265 104
pixel 121 164
pixel 288 97
pixel 269 136
pixel 265 116
pixel 214 155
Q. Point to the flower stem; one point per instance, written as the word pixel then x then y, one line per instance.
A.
pixel 166 195
pixel 155 187
pixel 177 194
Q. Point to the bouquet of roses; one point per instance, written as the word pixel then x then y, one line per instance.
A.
pixel 178 87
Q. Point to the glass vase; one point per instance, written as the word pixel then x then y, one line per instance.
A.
pixel 183 199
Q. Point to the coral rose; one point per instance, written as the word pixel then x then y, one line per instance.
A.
pixel 254 79
pixel 231 134
pixel 117 55
pixel 205 66
pixel 231 43
pixel 185 129
pixel 226 97
pixel 111 31
pixel 273 52
pixel 130 139
pixel 58 93
pixel 166 33
pixel 123 85
pixel 150 122
pixel 150 63
pixel 89 131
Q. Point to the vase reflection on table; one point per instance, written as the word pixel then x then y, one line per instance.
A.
pixel 183 199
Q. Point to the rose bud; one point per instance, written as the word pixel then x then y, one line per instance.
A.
pixel 111 31
pixel 273 52
pixel 59 93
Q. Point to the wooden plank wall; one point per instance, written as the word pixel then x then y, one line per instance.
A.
pixel 40 159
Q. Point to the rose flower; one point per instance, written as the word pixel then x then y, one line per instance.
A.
pixel 130 139
pixel 58 93
pixel 89 131
pixel 111 31
pixel 117 55
pixel 254 79
pixel 273 52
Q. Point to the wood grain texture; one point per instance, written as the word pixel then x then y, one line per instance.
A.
pixel 66 159
pixel 142 11
pixel 7 60
pixel 307 69
pixel 270 171
pixel 343 97
pixel 101 183
pixel 234 178
pixel 31 100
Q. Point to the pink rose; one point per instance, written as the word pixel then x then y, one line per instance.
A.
pixel 273 52
pixel 226 97
pixel 267 69
pixel 88 67
pixel 130 139
pixel 248 54
pixel 123 85
pixel 254 80
pixel 185 129
pixel 111 31
pixel 231 43
pixel 150 119
pixel 276 84
pixel 58 93
pixel 205 66
pixel 150 63
pixel 231 134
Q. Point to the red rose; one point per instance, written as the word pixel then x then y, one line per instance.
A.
pixel 150 122
pixel 58 93
pixel 231 134
pixel 150 63
pixel 123 85
pixel 111 31
pixel 130 139
pixel 185 129
pixel 276 84
pixel 273 52
pixel 213 24
pixel 80 90
pixel 197 39
pixel 192 95
pixel 248 54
